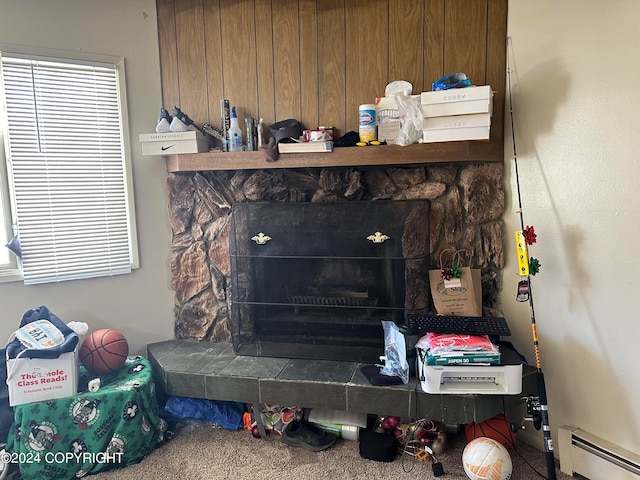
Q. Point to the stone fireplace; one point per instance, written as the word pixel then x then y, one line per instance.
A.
pixel 466 206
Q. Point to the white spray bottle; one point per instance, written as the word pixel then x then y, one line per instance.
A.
pixel 235 134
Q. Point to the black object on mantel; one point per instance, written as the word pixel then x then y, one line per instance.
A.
pixel 349 139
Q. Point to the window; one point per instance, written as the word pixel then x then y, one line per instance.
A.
pixel 67 171
pixel 8 264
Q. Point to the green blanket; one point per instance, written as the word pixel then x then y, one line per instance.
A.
pixel 66 438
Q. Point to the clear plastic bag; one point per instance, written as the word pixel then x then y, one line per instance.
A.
pixel 409 110
pixel 395 351
pixel 453 80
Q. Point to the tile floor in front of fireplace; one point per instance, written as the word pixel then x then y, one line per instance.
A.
pixel 188 368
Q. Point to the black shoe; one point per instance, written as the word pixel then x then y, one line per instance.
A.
pixel 299 433
pixel 181 122
pixel 164 121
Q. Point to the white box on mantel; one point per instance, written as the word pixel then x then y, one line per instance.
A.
pixel 456 127
pixel 457 101
pixel 191 141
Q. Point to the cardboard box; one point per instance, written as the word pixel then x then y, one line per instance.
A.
pixel 389 132
pixel 457 101
pixel 174 142
pixel 37 379
pixel 388 118
pixel 456 127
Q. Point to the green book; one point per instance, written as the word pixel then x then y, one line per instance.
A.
pixel 464 359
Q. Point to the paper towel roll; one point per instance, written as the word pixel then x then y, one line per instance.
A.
pixel 348 432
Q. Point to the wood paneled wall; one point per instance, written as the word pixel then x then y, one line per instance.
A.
pixel 318 60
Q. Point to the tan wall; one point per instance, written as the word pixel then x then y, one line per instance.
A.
pixel 139 304
pixel 576 119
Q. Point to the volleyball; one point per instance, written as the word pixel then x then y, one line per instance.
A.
pixel 486 459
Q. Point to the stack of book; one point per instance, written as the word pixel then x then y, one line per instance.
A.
pixel 457 114
pixel 458 349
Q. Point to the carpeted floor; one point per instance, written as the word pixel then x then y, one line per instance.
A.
pixel 205 452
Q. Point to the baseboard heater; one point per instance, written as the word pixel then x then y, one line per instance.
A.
pixel 595 458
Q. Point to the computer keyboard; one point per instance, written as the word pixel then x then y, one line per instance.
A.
pixel 422 323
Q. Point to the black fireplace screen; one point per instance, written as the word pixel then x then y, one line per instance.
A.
pixel 315 280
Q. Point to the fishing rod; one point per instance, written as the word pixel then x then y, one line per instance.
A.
pixel 537 407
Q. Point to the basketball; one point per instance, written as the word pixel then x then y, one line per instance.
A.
pixel 498 428
pixel 104 351
pixel 486 459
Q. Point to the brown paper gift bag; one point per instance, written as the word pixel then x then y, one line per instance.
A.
pixel 458 296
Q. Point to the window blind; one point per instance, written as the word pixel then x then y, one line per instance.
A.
pixel 67 167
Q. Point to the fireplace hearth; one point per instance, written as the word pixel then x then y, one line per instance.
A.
pixel 466 207
pixel 315 280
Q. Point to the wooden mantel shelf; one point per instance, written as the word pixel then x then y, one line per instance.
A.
pixel 446 152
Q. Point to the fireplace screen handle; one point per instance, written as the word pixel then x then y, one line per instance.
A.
pixel 378 237
pixel 261 238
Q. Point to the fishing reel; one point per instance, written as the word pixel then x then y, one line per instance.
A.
pixel 534 411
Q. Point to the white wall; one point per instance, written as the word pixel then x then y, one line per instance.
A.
pixel 139 305
pixel 575 75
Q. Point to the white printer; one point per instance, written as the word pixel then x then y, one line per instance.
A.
pixel 502 379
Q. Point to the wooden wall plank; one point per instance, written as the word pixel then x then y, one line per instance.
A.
pixel 264 64
pixel 309 64
pixel 213 55
pixel 497 64
pixel 332 64
pixel 192 69
pixel 286 59
pixel 168 54
pixel 406 43
pixel 367 43
pixel 238 48
pixel 465 38
pixel 318 60
pixel 433 42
